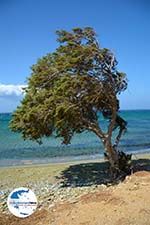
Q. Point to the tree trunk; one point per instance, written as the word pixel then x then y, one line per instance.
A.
pixel 112 156
pixel 120 162
pixel 110 150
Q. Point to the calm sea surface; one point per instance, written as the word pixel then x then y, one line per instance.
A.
pixel 13 149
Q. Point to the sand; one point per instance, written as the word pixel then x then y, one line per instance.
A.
pixel 125 203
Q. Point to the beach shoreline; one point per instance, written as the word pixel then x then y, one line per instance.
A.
pixel 64 160
pixel 65 184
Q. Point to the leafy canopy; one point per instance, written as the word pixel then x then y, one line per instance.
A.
pixel 68 88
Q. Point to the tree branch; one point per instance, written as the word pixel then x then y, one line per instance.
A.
pixel 122 128
pixel 94 127
pixel 112 123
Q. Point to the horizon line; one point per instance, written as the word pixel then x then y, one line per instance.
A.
pixel 118 110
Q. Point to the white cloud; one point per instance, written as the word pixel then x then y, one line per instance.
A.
pixel 11 89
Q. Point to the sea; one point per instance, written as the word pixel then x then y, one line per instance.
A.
pixel 15 151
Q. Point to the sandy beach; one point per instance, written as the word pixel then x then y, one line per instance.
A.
pixel 80 193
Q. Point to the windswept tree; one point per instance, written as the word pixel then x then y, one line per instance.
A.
pixel 73 90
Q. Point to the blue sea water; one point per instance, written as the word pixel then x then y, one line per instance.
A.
pixel 85 145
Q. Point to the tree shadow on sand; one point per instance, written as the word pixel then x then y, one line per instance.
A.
pixel 95 173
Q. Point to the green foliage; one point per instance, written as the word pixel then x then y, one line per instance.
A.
pixel 68 88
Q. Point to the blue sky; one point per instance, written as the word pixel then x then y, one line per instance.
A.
pixel 28 28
